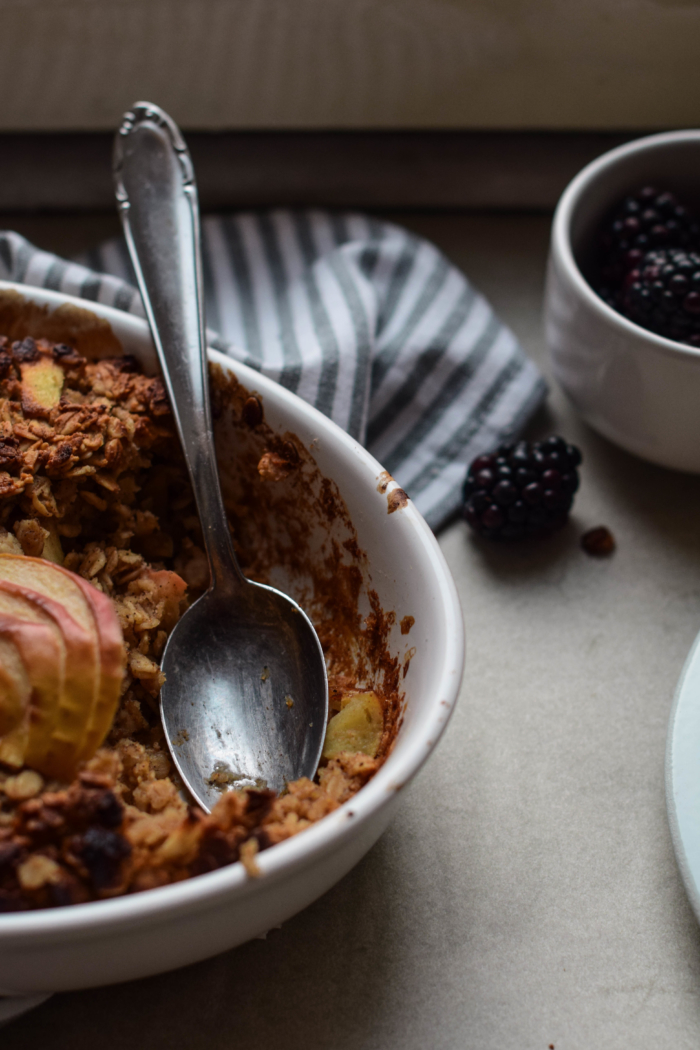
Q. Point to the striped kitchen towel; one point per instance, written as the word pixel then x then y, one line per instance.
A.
pixel 367 322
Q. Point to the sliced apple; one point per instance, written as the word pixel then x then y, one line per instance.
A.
pixel 92 640
pixel 94 612
pixel 112 665
pixel 41 656
pixel 14 609
pixel 15 697
pixel 358 726
pixel 50 580
pixel 55 742
pixel 41 386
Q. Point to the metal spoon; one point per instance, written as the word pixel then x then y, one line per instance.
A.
pixel 245 701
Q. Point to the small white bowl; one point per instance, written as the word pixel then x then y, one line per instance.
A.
pixel 129 937
pixel 638 389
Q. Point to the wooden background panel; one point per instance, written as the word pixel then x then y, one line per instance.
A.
pixel 215 64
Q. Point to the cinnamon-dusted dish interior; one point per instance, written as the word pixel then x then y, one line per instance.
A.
pixel 94 491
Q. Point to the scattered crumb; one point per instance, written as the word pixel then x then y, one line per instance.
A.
pixel 273 467
pixel 265 674
pixel 37 871
pixel 384 480
pixel 252 412
pixel 598 542
pixel 248 853
pixel 396 500
pixel 222 778
pixel 407 623
pixel 26 784
pixel 289 702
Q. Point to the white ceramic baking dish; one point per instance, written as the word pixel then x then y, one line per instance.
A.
pixel 130 937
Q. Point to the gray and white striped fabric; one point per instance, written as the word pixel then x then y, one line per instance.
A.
pixel 367 322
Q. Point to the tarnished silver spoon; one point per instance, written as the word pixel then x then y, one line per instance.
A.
pixel 245 700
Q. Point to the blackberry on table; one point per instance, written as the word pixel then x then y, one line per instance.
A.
pixel 521 489
pixel 662 294
pixel 647 219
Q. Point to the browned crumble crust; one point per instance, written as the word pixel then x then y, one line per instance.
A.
pixel 111 833
pixel 91 480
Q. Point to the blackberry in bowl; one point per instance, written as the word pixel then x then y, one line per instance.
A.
pixel 649 267
pixel 662 294
pixel 647 219
pixel 521 489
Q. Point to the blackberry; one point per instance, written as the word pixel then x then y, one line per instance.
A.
pixel 102 853
pixel 643 221
pixel 663 294
pixel 521 489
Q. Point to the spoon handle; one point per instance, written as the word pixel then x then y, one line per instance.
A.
pixel 157 197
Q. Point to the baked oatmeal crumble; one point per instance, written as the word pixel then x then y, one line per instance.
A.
pixel 90 473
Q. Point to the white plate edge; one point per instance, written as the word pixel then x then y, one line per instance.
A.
pixel 682 775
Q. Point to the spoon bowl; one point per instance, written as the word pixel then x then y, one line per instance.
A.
pixel 239 700
pixel 245 701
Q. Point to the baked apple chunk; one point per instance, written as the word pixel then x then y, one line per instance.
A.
pixel 61 666
pixel 42 383
pixel 358 726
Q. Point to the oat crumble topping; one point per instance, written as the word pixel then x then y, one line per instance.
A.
pixel 90 473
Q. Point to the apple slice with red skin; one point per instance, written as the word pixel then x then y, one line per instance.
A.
pixel 92 612
pixel 15 608
pixel 112 665
pixel 56 741
pixel 60 587
pixel 15 699
pixel 40 653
